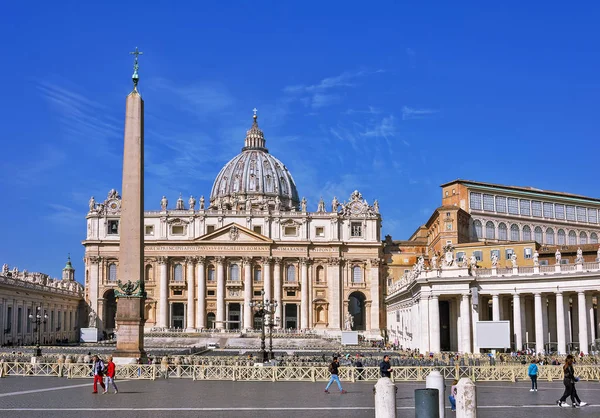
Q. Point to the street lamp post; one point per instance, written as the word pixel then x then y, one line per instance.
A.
pixel 265 308
pixel 271 325
pixel 38 319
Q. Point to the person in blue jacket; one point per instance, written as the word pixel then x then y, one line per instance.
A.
pixel 532 371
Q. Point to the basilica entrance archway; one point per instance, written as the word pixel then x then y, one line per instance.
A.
pixel 210 320
pixel 356 307
pixel 234 316
pixel 110 310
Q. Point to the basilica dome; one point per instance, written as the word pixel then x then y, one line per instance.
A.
pixel 254 178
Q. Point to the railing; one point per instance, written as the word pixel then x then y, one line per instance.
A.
pixel 294 373
pixel 547 269
pixel 483 272
pixel 504 271
pixel 591 266
pixel 568 267
pixel 525 270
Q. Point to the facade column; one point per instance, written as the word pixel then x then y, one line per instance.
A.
pixel 277 292
pixel 201 295
pixel 267 285
pixel 247 293
pixel 220 293
pixel 163 301
pixel 375 295
pixel 517 326
pixel 495 308
pixel 191 287
pixel 466 323
pixel 93 283
pixel 560 323
pixel 475 313
pixel 583 328
pixel 539 323
pixel 589 306
pixel 424 325
pixel 304 304
pixel 434 326
pixel 337 293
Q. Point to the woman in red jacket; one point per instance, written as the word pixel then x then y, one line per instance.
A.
pixel 110 375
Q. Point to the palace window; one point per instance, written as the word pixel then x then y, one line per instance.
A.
pixel 448 226
pixel 497 252
pixel 513 206
pixel 290 273
pixel 548 212
pixel 592 216
pixel 257 229
pixel 515 233
pixel 562 237
pixel 488 202
pixel 356 274
pixel 564 261
pixel 149 230
pixel 490 230
pixel 527 253
pixel 543 262
pixel 500 204
pixel 478 255
pixel 177 230
pixel 538 234
pixel 536 208
pixel 581 214
pixel 211 274
pixel 320 231
pixel 113 227
pixel 460 257
pixel 508 253
pixel 559 211
pixel 476 201
pixel 234 272
pixel 583 238
pixel 593 238
pixel 356 229
pixel 477 229
pixel 290 231
pixel 178 272
pixel 257 274
pixel 210 229
pixel 570 213
pixel 572 238
pixel 526 233
pixel 550 236
pixel 112 272
pixel 525 207
pixel 502 232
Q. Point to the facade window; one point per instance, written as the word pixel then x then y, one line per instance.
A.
pixel 488 202
pixel 356 274
pixel 320 274
pixel 583 238
pixel 572 238
pixel 356 229
pixel 113 227
pixel 502 232
pixel 478 229
pixel 526 233
pixel 562 237
pixel 448 226
pixel 497 252
pixel 513 206
pixel 475 201
pixel 112 272
pixel 527 253
pixel 570 213
pixel 178 272
pixel 210 229
pixel 257 274
pixel 508 253
pixel 177 292
pixel 538 234
pixel 490 230
pixel 211 274
pixel 593 238
pixel 257 229
pixel 550 236
pixel 559 211
pixel 177 229
pixel 290 274
pixel 543 262
pixel 234 272
pixel 320 231
pixel 210 293
pixel 581 214
pixel 564 261
pixel 290 293
pixel 525 207
pixel 592 216
pixel 290 231
pixel 500 204
pixel 149 230
pixel 149 276
pixel 548 210
pixel 536 208
pixel 514 232
pixel 460 257
pixel 478 255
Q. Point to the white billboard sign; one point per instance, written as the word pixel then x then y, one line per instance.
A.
pixel 492 334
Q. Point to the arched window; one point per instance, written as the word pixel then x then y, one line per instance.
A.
pixel 502 232
pixel 320 274
pixel 538 234
pixel 234 272
pixel 594 238
pixel 257 274
pixel 562 237
pixel 550 236
pixel 149 275
pixel 490 230
pixel 211 273
pixel 572 238
pixel 515 233
pixel 112 272
pixel 290 274
pixel 178 272
pixel 478 229
pixel 357 274
pixel 526 233
pixel 583 238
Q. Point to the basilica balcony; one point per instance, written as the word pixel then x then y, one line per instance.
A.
pixel 177 284
pixel 358 285
pixel 291 284
pixel 234 283
pixel 319 283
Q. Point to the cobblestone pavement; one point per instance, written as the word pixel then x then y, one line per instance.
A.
pixel 49 397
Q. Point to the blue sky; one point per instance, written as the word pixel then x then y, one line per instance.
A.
pixel 387 98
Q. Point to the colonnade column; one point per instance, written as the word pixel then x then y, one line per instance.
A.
pixel 495 308
pixel 277 292
pixel 333 282
pixel 304 304
pixel 539 323
pixel 267 269
pixel 191 287
pixel 93 282
pixel 466 323
pixel 424 325
pixel 434 326
pixel 163 304
pixel 220 293
pixel 583 329
pixel 247 292
pixel 517 327
pixel 375 294
pixel 589 306
pixel 475 313
pixel 560 323
pixel 201 294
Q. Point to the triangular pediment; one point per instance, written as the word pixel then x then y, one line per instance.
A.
pixel 234 233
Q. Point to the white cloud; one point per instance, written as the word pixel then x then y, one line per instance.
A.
pixel 412 113
pixel 384 128
pixel 65 215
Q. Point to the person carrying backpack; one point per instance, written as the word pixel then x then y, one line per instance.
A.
pixel 532 371
pixel 98 373
pixel 333 369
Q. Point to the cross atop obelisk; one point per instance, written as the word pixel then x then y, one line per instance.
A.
pixel 135 77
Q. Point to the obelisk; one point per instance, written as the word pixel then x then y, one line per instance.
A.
pixel 131 294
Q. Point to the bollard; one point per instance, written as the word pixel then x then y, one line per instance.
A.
pixel 427 403
pixel 385 398
pixel 466 399
pixel 435 380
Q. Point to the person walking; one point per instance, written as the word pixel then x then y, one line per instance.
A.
pixel 569 381
pixel 110 375
pixel 385 367
pixel 98 373
pixel 452 396
pixel 532 371
pixel 334 370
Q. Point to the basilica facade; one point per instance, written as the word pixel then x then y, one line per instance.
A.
pixel 206 261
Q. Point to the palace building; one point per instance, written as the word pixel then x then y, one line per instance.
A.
pixel 206 261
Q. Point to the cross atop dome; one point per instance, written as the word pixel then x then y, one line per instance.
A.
pixel 255 138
